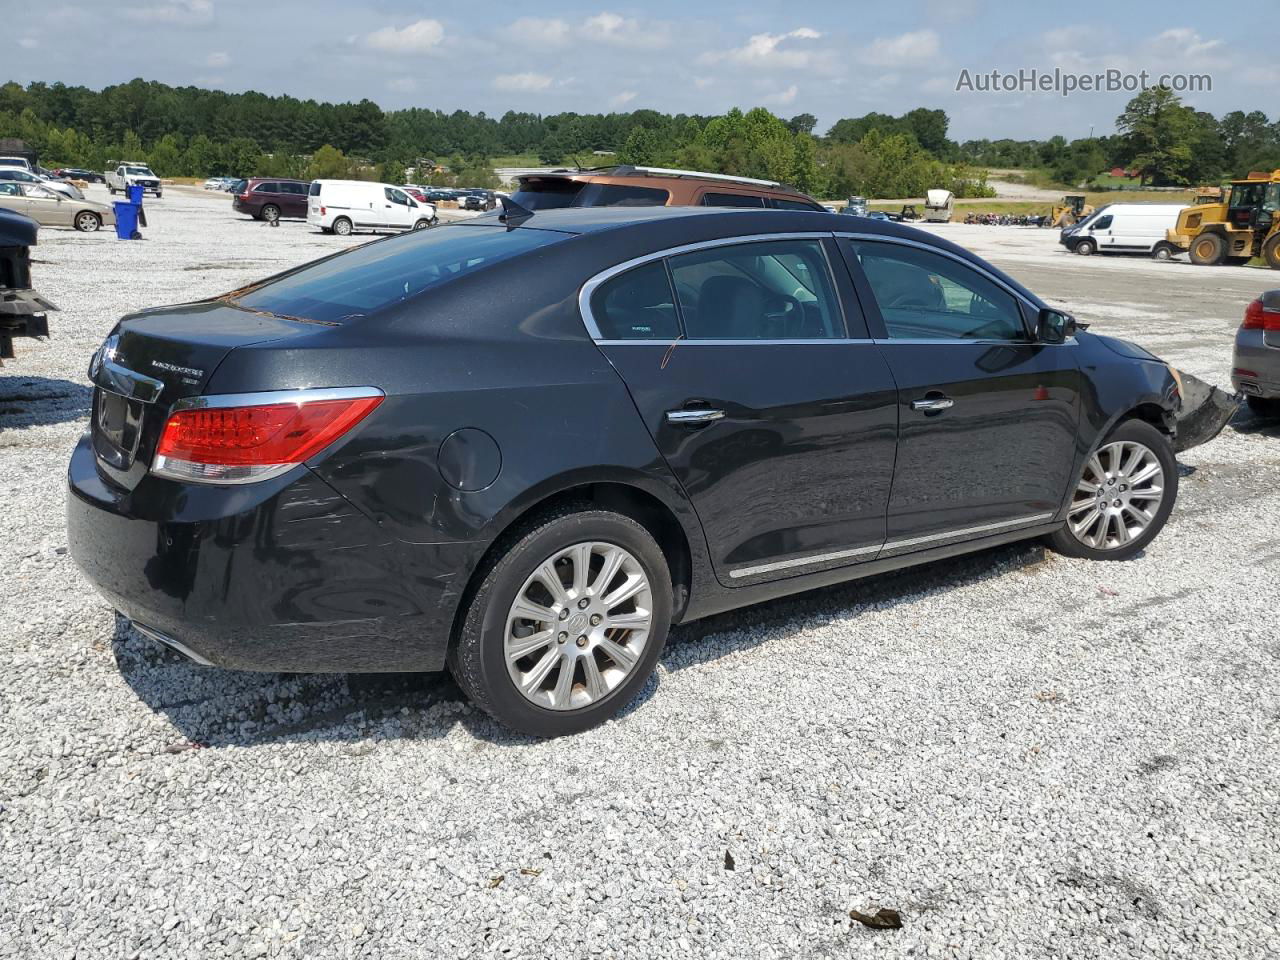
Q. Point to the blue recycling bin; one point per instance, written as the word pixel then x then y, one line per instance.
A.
pixel 135 194
pixel 127 220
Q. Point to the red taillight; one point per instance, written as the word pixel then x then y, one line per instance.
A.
pixel 1257 317
pixel 322 211
pixel 240 439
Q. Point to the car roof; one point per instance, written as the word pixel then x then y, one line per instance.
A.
pixel 667 227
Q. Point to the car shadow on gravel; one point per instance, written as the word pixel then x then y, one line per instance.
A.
pixel 36 401
pixel 1249 423
pixel 209 707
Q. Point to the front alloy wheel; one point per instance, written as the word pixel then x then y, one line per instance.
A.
pixel 578 626
pixel 1123 497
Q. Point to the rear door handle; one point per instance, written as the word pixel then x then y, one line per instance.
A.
pixel 694 417
pixel 933 404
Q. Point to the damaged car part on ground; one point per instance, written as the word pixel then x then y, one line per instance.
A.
pixel 23 312
pixel 524 449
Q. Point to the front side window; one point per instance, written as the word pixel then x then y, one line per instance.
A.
pixel 10 190
pixel 771 290
pixel 783 204
pixel 1102 223
pixel 731 200
pixel 927 296
pixel 397 196
pixel 636 305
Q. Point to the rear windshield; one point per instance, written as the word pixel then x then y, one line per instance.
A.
pixel 315 188
pixel 382 274
pixel 139 170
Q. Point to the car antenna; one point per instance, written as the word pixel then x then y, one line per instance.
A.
pixel 512 213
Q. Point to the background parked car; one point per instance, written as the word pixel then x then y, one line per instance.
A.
pixel 51 209
pixel 21 162
pixel 269 198
pixel 131 174
pixel 78 173
pixel 19 175
pixel 1255 363
pixel 630 186
pixel 23 312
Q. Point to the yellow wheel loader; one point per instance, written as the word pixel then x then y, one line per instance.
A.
pixel 1234 230
pixel 1070 211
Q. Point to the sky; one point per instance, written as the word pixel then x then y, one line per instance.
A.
pixel 829 59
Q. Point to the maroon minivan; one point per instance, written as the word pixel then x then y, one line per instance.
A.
pixel 266 198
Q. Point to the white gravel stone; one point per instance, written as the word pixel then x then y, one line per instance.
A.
pixel 1024 755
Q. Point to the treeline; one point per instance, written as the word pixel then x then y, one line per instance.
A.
pixel 1169 142
pixel 189 131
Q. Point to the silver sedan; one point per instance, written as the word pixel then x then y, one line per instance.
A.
pixel 52 209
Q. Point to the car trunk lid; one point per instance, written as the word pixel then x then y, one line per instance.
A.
pixel 156 358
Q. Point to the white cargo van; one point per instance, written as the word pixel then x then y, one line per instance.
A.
pixel 343 206
pixel 1126 228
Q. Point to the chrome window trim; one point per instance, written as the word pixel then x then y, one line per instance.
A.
pixel 665 341
pixel 266 397
pixel 888 545
pixel 589 288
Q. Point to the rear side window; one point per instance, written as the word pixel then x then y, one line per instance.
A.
pixel 549 194
pixel 927 296
pixel 620 195
pixel 636 305
pixel 782 204
pixel 731 200
pixel 379 275
pixel 774 290
pixel 267 188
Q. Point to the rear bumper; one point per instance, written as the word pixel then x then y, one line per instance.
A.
pixel 1255 365
pixel 284 576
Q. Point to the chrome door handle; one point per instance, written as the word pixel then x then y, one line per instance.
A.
pixel 933 404
pixel 693 417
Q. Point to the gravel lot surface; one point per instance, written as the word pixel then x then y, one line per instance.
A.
pixel 1024 755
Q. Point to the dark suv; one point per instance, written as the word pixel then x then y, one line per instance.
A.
pixel 269 199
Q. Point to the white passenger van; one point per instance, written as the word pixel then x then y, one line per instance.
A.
pixel 343 206
pixel 1125 228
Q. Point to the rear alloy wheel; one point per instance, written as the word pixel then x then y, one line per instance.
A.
pixel 567 625
pixel 342 227
pixel 1123 497
pixel 1086 248
pixel 1271 252
pixel 87 222
pixel 271 213
pixel 1208 250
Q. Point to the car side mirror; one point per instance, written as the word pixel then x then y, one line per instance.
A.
pixel 1054 326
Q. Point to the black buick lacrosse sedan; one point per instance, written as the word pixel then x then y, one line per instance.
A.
pixel 522 448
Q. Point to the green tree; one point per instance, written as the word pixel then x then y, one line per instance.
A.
pixel 641 147
pixel 329 163
pixel 1156 135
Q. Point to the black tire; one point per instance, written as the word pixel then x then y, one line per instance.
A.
pixel 111 190
pixel 422 224
pixel 270 213
pixel 1208 250
pixel 87 221
pixel 1271 252
pixel 477 657
pixel 342 227
pixel 1266 407
pixel 1162 251
pixel 1138 431
pixel 1086 248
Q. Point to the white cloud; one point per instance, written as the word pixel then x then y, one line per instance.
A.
pixel 521 81
pixel 622 99
pixel 402 84
pixel 783 97
pixel 1186 42
pixel 770 49
pixel 539 32
pixel 917 46
pixel 217 59
pixel 28 43
pixel 182 12
pixel 420 37
pixel 625 31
